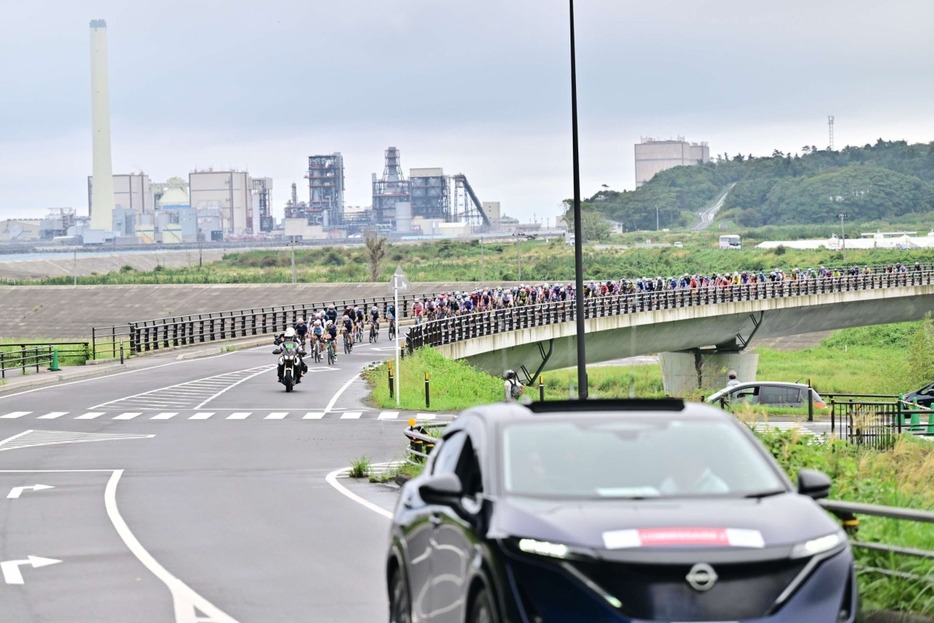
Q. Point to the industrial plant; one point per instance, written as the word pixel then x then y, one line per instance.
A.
pixel 221 205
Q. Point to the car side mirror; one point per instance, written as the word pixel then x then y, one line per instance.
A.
pixel 813 483
pixel 442 489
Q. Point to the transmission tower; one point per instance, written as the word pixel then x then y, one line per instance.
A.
pixel 830 129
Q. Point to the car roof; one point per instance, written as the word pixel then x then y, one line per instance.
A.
pixel 502 412
pixel 747 384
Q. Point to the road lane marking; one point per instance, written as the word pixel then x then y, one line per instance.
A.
pixel 388 415
pixel 313 415
pixel 331 479
pixel 190 607
pixel 277 415
pixel 128 415
pixel 11 568
pixel 426 416
pixel 15 492
pixel 90 415
pixel 229 387
pixel 35 438
pixel 201 416
pixel 239 415
pixel 351 415
pixel 338 394
pixel 14 414
pixel 52 415
pixel 164 416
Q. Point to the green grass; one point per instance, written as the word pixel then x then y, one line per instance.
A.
pixel 360 468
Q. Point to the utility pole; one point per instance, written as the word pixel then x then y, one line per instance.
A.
pixel 292 247
pixel 656 219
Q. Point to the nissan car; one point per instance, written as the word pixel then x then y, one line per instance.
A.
pixel 613 511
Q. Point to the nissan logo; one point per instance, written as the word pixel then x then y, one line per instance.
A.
pixel 701 577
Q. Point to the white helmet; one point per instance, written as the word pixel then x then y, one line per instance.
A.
pixel 290 332
pixel 317 323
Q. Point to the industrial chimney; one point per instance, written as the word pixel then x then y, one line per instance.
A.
pixel 102 193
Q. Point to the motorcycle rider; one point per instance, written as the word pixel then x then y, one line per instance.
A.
pixel 290 335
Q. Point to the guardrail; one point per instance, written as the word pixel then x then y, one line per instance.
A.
pixel 170 332
pixel 23 356
pixel 480 324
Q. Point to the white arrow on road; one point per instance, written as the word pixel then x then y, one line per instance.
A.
pixel 11 572
pixel 16 491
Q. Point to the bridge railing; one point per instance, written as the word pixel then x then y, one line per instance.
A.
pixel 480 324
pixel 184 330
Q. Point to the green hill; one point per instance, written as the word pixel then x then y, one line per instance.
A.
pixel 890 181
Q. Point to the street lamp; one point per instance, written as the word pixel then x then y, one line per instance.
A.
pixel 842 216
pixel 578 235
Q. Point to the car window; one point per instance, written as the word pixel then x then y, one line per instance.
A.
pixel 457 455
pixel 649 457
pixel 447 454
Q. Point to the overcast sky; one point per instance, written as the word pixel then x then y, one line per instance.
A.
pixel 479 87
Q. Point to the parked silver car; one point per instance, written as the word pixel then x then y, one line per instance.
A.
pixel 768 394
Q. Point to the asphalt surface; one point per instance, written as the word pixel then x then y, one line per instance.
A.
pixel 189 486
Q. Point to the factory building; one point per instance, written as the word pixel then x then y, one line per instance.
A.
pixel 226 198
pixel 653 156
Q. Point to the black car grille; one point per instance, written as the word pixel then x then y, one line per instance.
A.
pixel 661 591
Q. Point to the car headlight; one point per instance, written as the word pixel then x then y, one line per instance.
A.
pixel 819 545
pixel 544 548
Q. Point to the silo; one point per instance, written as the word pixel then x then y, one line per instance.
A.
pixel 404 217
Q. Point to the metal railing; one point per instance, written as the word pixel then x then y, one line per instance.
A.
pixel 170 332
pixel 480 324
pixel 28 355
pixel 878 423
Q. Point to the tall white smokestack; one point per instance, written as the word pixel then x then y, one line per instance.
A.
pixel 102 194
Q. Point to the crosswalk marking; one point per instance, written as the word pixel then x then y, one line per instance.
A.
pixel 14 415
pixel 155 414
pixel 128 415
pixel 52 415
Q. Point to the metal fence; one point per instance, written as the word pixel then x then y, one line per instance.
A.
pixel 170 332
pixel 28 355
pixel 480 324
pixel 878 423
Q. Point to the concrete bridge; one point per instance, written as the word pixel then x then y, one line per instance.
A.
pixel 701 333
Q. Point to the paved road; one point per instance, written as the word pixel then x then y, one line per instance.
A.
pixel 193 490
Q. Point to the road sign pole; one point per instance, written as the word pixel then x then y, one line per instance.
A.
pixel 395 319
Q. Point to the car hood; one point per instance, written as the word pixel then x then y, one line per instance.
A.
pixel 774 521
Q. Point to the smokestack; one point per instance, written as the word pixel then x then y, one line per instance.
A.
pixel 102 194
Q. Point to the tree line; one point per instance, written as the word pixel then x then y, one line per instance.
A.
pixel 886 181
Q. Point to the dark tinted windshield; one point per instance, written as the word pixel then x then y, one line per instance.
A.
pixel 651 457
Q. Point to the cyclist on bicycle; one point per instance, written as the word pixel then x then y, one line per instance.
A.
pixel 359 318
pixel 391 318
pixel 330 337
pixel 347 326
pixel 316 332
pixel 331 314
pixel 301 330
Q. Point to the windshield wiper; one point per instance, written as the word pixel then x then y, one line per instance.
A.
pixel 764 494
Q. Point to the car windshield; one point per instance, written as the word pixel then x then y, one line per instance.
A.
pixel 633 457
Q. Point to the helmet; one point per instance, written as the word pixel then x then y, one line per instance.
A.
pixel 731 374
pixel 509 374
pixel 329 324
pixel 317 323
pixel 346 317
pixel 290 332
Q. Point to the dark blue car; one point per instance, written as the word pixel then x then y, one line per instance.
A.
pixel 613 511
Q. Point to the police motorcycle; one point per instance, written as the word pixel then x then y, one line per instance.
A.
pixel 291 366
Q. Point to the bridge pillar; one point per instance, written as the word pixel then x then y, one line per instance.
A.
pixel 685 372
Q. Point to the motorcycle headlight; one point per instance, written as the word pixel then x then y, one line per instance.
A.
pixel 543 548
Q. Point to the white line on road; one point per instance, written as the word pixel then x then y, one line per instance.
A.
pixel 90 415
pixel 164 416
pixel 128 415
pixel 332 480
pixel 202 416
pixel 351 415
pixel 52 415
pixel 388 415
pixel 338 394
pixel 313 415
pixel 189 605
pixel 277 415
pixel 14 415
pixel 229 387
pixel 239 415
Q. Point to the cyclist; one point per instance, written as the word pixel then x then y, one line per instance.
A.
pixel 331 314
pixel 330 337
pixel 301 330
pixel 347 327
pixel 359 318
pixel 391 318
pixel 316 332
